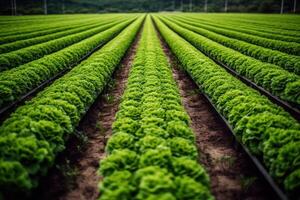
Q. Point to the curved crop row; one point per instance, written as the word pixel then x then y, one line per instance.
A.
pixel 34 134
pixel 271 77
pixel 18 81
pixel 15 58
pixel 152 153
pixel 266 129
pixel 45 38
pixel 287 47
pixel 288 62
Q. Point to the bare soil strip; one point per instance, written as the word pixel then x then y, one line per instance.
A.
pixel 232 174
pixel 75 177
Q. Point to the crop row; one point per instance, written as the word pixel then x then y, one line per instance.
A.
pixel 245 29
pixel 43 26
pixel 289 24
pixel 32 34
pixel 271 77
pixel 267 130
pixel 267 32
pixel 288 62
pixel 15 58
pixel 287 47
pixel 152 152
pixel 18 81
pixel 33 135
pixel 5 48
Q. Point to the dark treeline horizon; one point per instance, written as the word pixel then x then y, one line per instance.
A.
pixel 24 7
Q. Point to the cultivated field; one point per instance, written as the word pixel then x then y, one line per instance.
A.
pixel 150 106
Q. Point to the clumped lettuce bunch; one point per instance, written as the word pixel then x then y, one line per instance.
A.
pixel 265 128
pixel 33 135
pixel 152 153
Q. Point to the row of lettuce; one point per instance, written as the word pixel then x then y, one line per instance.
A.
pixel 152 153
pixel 265 32
pixel 269 25
pixel 24 55
pixel 271 33
pixel 16 82
pixel 13 30
pixel 264 128
pixel 288 62
pixel 287 23
pixel 68 30
pixel 24 35
pixel 35 133
pixel 272 78
pixel 284 46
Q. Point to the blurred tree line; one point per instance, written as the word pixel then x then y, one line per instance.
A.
pixel 99 6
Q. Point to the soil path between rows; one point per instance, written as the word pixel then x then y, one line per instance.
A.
pixel 233 176
pixel 75 177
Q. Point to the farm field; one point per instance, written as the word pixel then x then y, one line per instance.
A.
pixel 160 106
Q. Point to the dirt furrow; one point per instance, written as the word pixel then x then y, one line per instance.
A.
pixel 232 174
pixel 75 177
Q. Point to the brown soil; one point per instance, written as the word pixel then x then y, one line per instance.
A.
pixel 76 177
pixel 232 174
